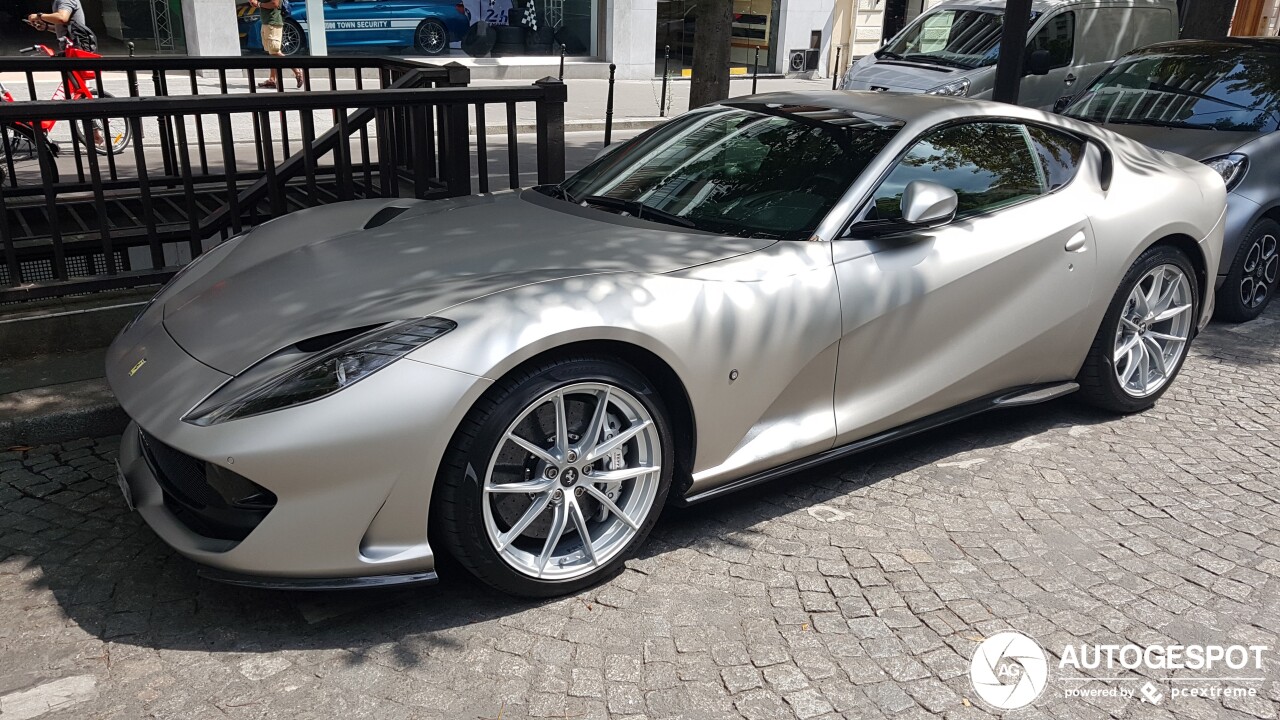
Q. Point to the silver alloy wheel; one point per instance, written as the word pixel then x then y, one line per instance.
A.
pixel 1261 266
pixel 431 38
pixel 584 490
pixel 290 39
pixel 1153 331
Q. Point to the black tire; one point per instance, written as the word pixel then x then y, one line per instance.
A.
pixel 116 134
pixel 1099 385
pixel 1254 275
pixel 457 512
pixel 431 37
pixel 293 41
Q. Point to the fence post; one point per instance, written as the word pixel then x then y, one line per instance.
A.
pixel 550 121
pixel 608 108
pixel 662 104
pixel 457 146
pixel 755 70
pixel 835 75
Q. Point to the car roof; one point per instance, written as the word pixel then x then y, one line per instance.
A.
pixel 1224 45
pixel 1045 5
pixel 910 108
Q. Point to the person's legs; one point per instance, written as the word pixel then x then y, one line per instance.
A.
pixel 271 42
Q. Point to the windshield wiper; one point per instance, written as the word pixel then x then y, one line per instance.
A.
pixel 638 210
pixel 887 55
pixel 1152 122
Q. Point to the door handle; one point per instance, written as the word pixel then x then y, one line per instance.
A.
pixel 1070 78
pixel 1076 243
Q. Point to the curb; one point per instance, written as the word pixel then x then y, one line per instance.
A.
pixel 85 408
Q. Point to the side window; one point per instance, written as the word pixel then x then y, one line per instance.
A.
pixel 1058 36
pixel 1060 155
pixel 989 165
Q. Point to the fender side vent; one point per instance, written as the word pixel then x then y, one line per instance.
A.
pixel 384 216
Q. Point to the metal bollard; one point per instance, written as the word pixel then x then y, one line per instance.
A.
pixel 131 48
pixel 608 109
pixel 562 51
pixel 662 103
pixel 835 75
pixel 755 70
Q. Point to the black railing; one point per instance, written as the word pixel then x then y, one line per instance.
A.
pixel 203 166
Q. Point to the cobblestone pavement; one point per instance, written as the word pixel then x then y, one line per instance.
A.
pixel 856 590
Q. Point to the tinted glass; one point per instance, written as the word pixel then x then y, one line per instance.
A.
pixel 1059 153
pixel 1058 36
pixel 989 165
pixel 739 170
pixel 1220 90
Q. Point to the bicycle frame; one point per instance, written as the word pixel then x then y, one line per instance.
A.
pixel 77 83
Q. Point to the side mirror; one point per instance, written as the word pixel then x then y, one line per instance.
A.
pixel 924 204
pixel 1038 62
pixel 928 203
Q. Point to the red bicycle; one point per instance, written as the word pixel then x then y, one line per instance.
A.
pixel 107 138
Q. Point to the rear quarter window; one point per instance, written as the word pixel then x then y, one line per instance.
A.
pixel 1059 155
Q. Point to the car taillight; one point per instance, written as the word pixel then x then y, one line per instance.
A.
pixel 460 8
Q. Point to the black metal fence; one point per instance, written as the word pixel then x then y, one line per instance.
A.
pixel 202 165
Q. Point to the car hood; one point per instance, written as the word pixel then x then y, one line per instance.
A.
pixel 898 76
pixel 322 270
pixel 1195 144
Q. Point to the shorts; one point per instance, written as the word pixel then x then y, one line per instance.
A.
pixel 271 38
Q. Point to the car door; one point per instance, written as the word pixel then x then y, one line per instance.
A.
pixel 357 22
pixel 993 300
pixel 1053 90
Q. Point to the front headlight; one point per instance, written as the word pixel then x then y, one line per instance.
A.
pixel 955 88
pixel 324 374
pixel 1230 167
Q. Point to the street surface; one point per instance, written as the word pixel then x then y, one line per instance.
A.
pixel 856 590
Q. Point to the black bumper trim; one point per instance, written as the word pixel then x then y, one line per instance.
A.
pixel 265 582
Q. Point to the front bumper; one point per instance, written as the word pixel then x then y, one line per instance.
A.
pixel 352 474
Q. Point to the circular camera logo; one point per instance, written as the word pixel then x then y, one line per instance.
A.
pixel 1009 670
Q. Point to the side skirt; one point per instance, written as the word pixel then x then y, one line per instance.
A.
pixel 1026 395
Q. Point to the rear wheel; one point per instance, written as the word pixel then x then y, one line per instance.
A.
pixel 431 37
pixel 292 39
pixel 1253 276
pixel 107 137
pixel 555 477
pixel 1145 334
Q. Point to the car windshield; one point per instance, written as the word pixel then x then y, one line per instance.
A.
pixel 752 170
pixel 1211 91
pixel 957 37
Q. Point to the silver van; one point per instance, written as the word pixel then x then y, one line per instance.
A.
pixel 952 48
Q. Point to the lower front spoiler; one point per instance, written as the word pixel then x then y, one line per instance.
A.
pixel 263 582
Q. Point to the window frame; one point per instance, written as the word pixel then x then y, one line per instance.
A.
pixel 1071 60
pixel 854 220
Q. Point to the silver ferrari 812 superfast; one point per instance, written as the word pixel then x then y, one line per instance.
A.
pixel 523 380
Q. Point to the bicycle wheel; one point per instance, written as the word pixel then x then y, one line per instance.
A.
pixel 111 137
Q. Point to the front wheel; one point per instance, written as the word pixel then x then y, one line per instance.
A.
pixel 1145 334
pixel 108 137
pixel 555 477
pixel 431 37
pixel 1253 276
